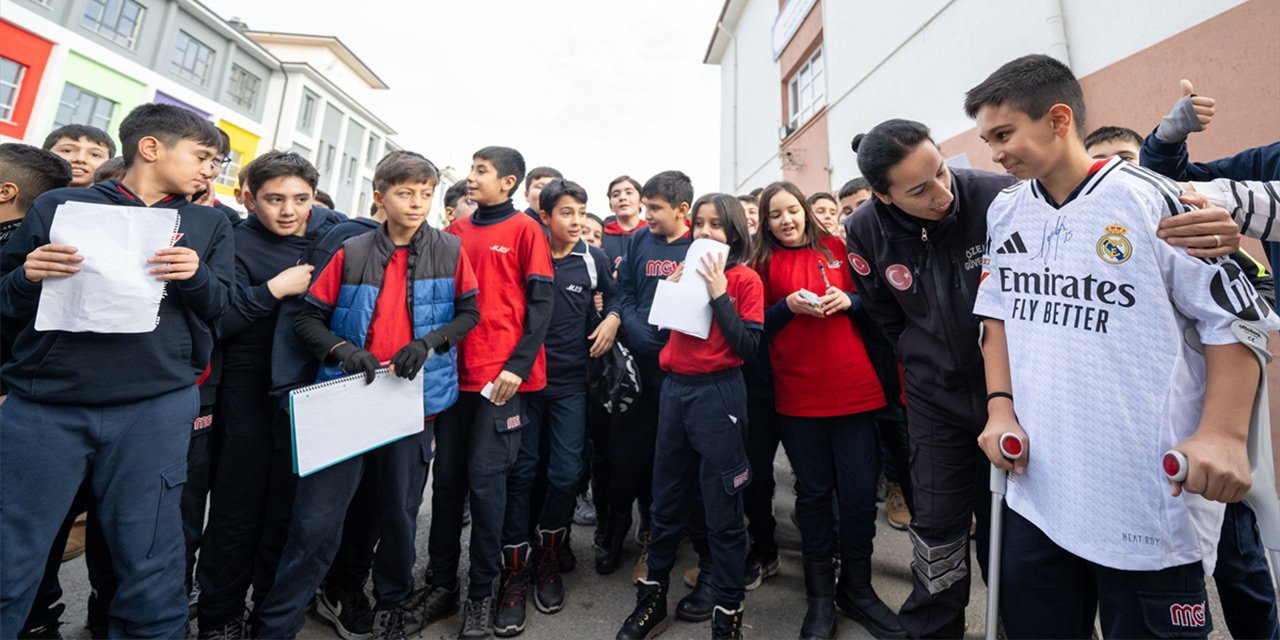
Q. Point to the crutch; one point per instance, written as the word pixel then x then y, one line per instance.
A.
pixel 1262 496
pixel 1011 447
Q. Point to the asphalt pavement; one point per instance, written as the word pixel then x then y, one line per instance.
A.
pixel 596 605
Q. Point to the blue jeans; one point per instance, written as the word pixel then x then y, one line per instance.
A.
pixel 560 421
pixel 135 456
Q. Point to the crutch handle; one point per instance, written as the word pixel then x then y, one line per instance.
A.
pixel 1174 465
pixel 1012 447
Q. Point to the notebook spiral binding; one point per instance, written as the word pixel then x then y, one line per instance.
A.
pixel 336 381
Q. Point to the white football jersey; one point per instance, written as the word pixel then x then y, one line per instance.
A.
pixel 1095 307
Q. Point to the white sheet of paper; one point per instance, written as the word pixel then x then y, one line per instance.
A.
pixel 340 419
pixel 685 306
pixel 114 292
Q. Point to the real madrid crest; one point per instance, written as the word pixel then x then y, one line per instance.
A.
pixel 1113 247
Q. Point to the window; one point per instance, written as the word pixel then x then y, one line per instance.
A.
pixel 307 113
pixel 192 59
pixel 244 87
pixel 300 150
pixel 10 82
pixel 349 170
pixel 806 91
pixel 366 197
pixel 115 20
pixel 82 107
pixel 230 170
pixel 329 151
pixel 371 154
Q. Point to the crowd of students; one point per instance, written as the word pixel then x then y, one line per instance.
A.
pixel 896 324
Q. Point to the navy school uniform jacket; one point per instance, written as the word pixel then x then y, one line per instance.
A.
pixel 578 276
pixel 1170 160
pixel 232 215
pixel 649 258
pixel 918 281
pixel 246 329
pixel 614 240
pixel 292 365
pixel 101 369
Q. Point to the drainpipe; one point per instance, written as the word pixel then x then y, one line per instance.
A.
pixel 1055 21
pixel 284 93
pixel 734 43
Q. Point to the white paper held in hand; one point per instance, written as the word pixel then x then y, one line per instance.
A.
pixel 685 306
pixel 115 291
pixel 343 418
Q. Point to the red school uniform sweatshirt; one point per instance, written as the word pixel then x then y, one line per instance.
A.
pixel 820 367
pixel 689 355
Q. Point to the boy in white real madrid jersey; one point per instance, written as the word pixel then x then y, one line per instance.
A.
pixel 1084 315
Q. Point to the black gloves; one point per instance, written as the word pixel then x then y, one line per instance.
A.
pixel 409 359
pixel 356 360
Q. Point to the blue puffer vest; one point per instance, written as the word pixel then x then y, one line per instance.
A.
pixel 433 260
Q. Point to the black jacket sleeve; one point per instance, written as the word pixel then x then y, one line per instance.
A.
pixel 1170 160
pixel 742 339
pixel 208 292
pixel 312 327
pixel 466 313
pixel 539 298
pixel 249 304
pixel 777 317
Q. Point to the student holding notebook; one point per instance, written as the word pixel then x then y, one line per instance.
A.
pixel 356 318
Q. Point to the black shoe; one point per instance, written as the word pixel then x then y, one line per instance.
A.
pixel 477 620
pixel 761 564
pixel 820 616
pixel 857 599
pixel 232 630
pixel 99 615
pixel 697 605
pixel 47 631
pixel 548 589
pixel 508 620
pixel 438 603
pixel 388 625
pixel 726 624
pixel 650 615
pixel 609 549
pixel 568 559
pixel 47 624
pixel 347 609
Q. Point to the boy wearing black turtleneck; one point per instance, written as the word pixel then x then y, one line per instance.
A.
pixel 253 484
pixel 500 360
pixel 533 183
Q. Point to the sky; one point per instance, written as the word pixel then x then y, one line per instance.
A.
pixel 594 88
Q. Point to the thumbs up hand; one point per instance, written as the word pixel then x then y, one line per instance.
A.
pixel 1190 113
pixel 1201 105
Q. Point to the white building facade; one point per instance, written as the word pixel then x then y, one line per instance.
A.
pixel 800 78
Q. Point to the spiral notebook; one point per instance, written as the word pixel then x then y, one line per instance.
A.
pixel 343 418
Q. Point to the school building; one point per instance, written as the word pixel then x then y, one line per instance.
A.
pixel 93 61
pixel 817 72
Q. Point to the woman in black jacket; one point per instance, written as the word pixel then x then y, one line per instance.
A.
pixel 916 252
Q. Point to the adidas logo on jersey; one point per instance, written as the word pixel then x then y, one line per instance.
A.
pixel 500 249
pixel 1013 244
